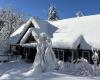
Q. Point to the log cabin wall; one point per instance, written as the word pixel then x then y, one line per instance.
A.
pixel 71 55
pixel 66 55
pixel 27 53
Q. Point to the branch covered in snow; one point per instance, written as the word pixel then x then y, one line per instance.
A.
pixel 11 20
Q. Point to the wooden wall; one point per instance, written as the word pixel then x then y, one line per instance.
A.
pixel 66 55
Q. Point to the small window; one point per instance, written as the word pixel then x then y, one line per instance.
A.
pixel 86 55
pixel 2 23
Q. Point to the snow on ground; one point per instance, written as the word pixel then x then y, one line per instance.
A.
pixel 14 70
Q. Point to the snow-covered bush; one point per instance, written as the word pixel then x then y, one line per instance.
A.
pixel 61 66
pixel 95 58
pixel 84 68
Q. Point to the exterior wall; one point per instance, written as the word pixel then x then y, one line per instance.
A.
pixel 71 55
pixel 62 54
pixel 66 55
pixel 28 54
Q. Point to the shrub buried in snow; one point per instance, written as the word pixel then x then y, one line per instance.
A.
pixel 95 58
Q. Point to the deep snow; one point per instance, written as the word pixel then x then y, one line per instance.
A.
pixel 14 70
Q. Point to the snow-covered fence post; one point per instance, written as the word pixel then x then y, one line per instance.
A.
pixel 72 58
pixel 63 55
pixel 95 59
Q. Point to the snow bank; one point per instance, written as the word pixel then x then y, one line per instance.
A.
pixel 14 70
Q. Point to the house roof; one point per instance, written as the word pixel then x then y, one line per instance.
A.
pixel 19 33
pixel 65 33
pixel 88 27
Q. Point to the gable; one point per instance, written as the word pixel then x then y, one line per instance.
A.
pixel 16 37
pixel 28 38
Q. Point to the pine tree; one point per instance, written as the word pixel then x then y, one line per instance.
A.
pixel 52 14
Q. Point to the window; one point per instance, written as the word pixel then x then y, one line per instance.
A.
pixel 86 55
pixel 1 23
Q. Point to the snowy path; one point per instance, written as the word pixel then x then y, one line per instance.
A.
pixel 13 70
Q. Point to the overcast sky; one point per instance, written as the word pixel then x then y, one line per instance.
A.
pixel 65 8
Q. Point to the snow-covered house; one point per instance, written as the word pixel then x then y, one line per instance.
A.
pixel 71 38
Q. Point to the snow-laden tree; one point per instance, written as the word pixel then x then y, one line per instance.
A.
pixel 12 19
pixel 45 59
pixel 53 14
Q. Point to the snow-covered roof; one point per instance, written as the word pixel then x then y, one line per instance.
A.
pixel 66 33
pixel 38 25
pixel 88 27
pixel 15 37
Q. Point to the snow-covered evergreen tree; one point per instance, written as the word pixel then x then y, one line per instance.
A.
pixel 53 14
pixel 79 14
